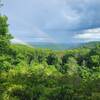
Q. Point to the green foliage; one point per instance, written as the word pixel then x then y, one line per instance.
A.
pixel 49 78
pixel 71 67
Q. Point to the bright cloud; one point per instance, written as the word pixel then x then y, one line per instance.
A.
pixel 89 35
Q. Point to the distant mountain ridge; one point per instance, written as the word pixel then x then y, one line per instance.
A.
pixel 91 44
pixel 63 46
pixel 54 46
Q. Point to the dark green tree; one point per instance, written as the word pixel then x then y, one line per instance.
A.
pixel 52 59
pixel 4 35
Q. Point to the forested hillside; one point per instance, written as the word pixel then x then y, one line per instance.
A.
pixel 28 73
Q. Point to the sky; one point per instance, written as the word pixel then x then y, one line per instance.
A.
pixel 56 21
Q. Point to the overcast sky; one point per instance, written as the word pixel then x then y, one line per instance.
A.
pixel 53 20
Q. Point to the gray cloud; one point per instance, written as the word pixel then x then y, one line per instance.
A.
pixel 59 19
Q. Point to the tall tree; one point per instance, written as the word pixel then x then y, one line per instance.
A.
pixel 5 37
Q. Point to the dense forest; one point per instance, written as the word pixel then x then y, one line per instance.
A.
pixel 28 73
